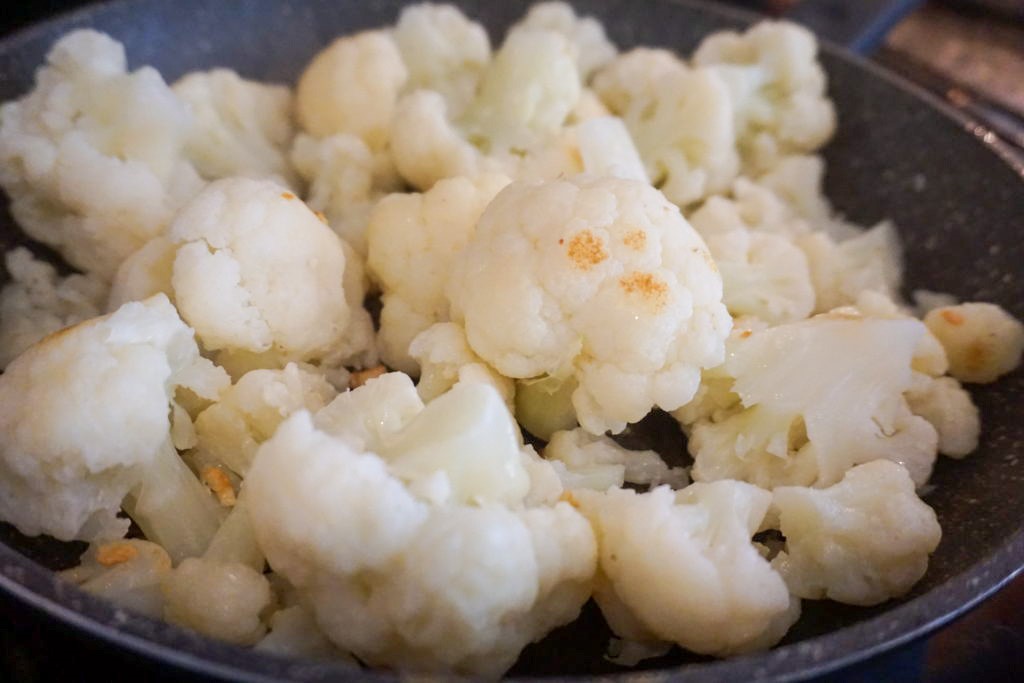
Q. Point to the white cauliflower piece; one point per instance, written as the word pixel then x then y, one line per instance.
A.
pixel 797 180
pixel 443 51
pixel 351 86
pixel 222 600
pixel 818 397
pixel 514 125
pixel 683 566
pixel 586 34
pixel 600 276
pixel 413 240
pixel 239 127
pixel 841 270
pixel 37 301
pixel 256 270
pixel 249 412
pixel 367 415
pixel 777 87
pixel 445 360
pixel 346 178
pixel 145 273
pixel 92 157
pixel 127 572
pixel 982 341
pixel 948 408
pixel 606 149
pixel 294 633
pixel 634 76
pixel 84 420
pixel 684 132
pixel 596 462
pixel 861 541
pixel 399 581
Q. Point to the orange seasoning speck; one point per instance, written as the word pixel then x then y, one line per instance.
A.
pixel 636 240
pixel 220 484
pixel 586 250
pixel 322 217
pixel 745 333
pixel 287 195
pixel 952 317
pixel 361 377
pixel 648 286
pixel 110 554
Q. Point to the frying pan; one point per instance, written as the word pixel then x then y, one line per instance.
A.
pixel 898 153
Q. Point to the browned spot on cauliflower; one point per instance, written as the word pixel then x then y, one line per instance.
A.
pixel 361 377
pixel 220 484
pixel 637 240
pixel 952 317
pixel 586 250
pixel 649 286
pixel 110 554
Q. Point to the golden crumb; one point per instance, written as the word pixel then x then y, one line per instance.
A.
pixel 952 317
pixel 220 484
pixel 636 240
pixel 118 552
pixel 648 286
pixel 745 333
pixel 586 250
pixel 287 195
pixel 361 377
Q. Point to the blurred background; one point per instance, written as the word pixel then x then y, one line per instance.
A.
pixel 969 53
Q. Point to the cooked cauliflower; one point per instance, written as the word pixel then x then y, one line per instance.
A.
pixel 37 301
pixel 351 86
pixel 412 241
pixel 248 413
pixel 346 178
pixel 817 397
pixel 777 88
pixel 398 580
pixel 445 359
pixel 84 421
pixel 255 270
pixel 583 460
pixel 600 276
pixel 586 34
pixel 870 260
pixel 683 566
pixel 861 541
pixel 294 633
pixel 443 51
pixel 126 572
pixel 949 408
pixel 92 157
pixel 239 127
pixel 635 75
pixel 514 125
pixel 982 341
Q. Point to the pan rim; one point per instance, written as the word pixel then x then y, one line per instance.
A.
pixel 41 589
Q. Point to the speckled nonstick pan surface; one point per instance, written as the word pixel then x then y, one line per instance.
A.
pixel 960 210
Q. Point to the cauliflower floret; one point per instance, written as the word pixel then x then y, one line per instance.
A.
pixel 861 541
pixel 515 124
pixel 128 573
pixel 145 273
pixel 682 565
pixel 84 420
pixel 294 633
pixel 256 270
pixel 37 302
pixel 345 180
pixel 603 276
pixel 239 127
pixel 583 460
pixel 818 397
pixel 248 413
pixel 402 581
pixel 351 86
pixel 797 180
pixel 777 88
pixel 222 600
pixel 586 34
pixel 92 156
pixel 949 408
pixel 606 149
pixel 445 360
pixel 443 51
pixel 634 76
pixel 367 415
pixel 982 341
pixel 683 129
pixel 413 240
pixel 866 260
